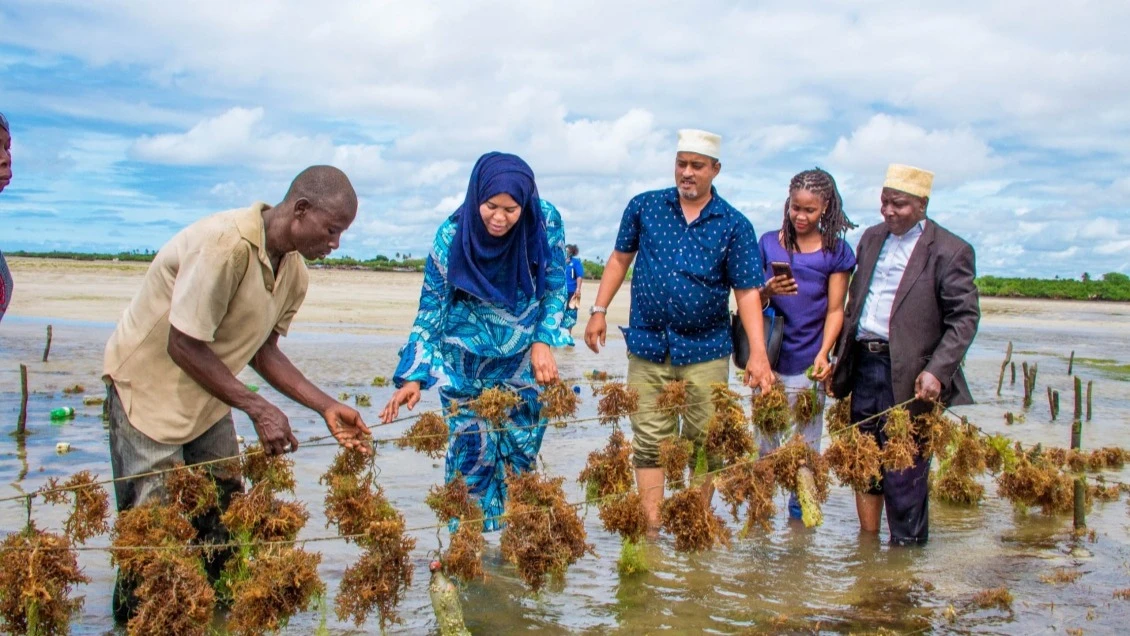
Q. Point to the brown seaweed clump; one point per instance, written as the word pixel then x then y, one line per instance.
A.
pixel 1061 576
pixel 789 458
pixel 695 526
pixel 608 471
pixel 1055 455
pixel 727 435
pixel 427 435
pixel 958 488
pixel 1037 484
pixel 624 515
pixel 275 470
pixel 938 432
pixel 174 597
pixel 90 515
pixel 353 500
pixel 151 524
pixel 1076 460
pixel 258 516
pixel 191 491
pixel 751 483
pixel 494 405
pixel 969 456
pixel 770 413
pixel 543 534
pixel 999 453
pixel 559 402
pixel 838 417
pixel 672 399
pixel 617 400
pixel 380 578
pixel 464 556
pixel 806 405
pixel 37 574
pixel 900 450
pixel 280 584
pixel 1104 493
pixel 675 459
pixel 998 597
pixel 1112 457
pixel 854 458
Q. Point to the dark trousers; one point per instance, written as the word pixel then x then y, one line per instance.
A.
pixel 906 493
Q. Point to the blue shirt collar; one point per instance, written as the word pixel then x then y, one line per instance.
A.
pixel 711 209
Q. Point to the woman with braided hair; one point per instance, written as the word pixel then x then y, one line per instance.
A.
pixel 808 264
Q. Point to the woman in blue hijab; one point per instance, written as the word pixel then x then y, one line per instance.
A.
pixel 490 309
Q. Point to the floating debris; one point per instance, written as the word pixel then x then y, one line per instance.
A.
pixel 93 401
pixel 379 381
pixel 998 597
pixel 1061 576
pixel 77 389
pixel 362 400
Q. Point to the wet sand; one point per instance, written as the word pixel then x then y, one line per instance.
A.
pixel 788 579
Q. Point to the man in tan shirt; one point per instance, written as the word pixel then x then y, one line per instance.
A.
pixel 216 299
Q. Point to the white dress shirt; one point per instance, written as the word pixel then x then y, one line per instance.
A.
pixel 875 321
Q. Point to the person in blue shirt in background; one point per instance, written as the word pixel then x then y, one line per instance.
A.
pixel 693 248
pixel 574 274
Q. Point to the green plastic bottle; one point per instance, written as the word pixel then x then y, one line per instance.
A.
pixel 63 413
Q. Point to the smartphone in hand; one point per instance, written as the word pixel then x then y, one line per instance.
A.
pixel 781 268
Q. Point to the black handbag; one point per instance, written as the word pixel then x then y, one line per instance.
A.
pixel 774 333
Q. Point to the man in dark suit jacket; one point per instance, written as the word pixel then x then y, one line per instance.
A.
pixel 911 315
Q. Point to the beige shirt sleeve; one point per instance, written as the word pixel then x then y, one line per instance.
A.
pixel 296 298
pixel 206 282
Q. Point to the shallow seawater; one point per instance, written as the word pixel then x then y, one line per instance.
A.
pixel 789 579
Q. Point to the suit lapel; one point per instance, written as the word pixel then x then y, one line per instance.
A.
pixel 866 260
pixel 915 265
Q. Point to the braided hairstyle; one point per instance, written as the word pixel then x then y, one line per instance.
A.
pixel 834 224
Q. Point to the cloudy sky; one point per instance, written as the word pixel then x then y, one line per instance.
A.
pixel 131 119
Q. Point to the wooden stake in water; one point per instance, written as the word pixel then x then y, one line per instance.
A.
pixel 1013 366
pixel 47 349
pixel 1051 403
pixel 1090 385
pixel 1070 364
pixel 1004 366
pixel 1076 443
pixel 21 424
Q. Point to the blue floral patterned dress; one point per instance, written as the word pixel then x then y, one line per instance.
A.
pixel 471 345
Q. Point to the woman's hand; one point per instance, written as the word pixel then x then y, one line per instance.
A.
pixel 780 286
pixel 821 367
pixel 408 394
pixel 545 367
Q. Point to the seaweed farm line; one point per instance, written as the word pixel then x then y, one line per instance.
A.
pixel 787 578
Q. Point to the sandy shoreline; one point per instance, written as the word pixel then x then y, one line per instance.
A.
pixel 384 302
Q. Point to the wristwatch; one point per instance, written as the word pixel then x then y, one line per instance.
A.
pixel 597 309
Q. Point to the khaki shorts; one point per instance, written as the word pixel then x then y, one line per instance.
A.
pixel 650 427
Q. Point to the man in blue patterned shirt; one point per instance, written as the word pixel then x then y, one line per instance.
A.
pixel 693 249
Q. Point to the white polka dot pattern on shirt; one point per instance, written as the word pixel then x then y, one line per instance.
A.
pixel 683 275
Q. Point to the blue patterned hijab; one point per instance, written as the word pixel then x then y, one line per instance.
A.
pixel 492 268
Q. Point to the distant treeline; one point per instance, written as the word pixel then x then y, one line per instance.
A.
pixel 1112 286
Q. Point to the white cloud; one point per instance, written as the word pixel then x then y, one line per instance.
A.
pixel 952 155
